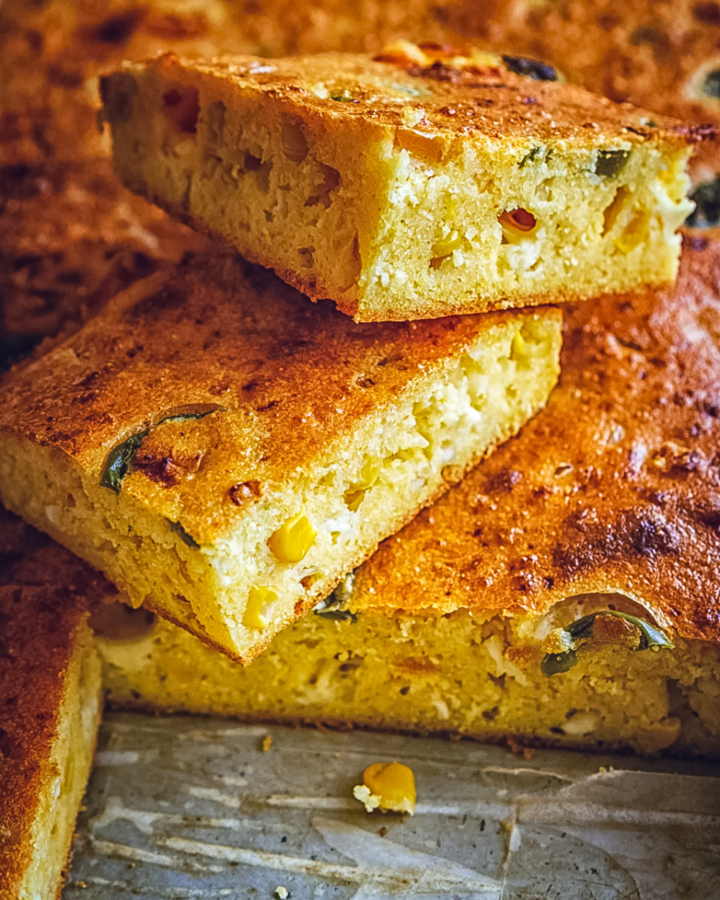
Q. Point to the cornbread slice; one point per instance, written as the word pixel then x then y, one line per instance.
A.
pixel 50 707
pixel 225 453
pixel 474 618
pixel 416 184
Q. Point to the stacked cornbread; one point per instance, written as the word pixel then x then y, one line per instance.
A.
pixel 465 621
pixel 231 454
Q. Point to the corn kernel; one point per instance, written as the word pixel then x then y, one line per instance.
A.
pixel 635 232
pixel 519 348
pixel 257 598
pixel 353 499
pixel 387 786
pixel 291 542
pixel 355 494
pixel 447 246
pixel 612 212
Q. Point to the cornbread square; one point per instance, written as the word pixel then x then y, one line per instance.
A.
pixel 226 453
pixel 50 707
pixel 537 600
pixel 416 184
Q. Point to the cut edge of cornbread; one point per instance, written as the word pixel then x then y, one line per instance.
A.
pixel 472 675
pixel 72 758
pixel 397 221
pixel 239 590
pixel 42 860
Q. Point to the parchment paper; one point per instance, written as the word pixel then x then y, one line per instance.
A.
pixel 190 807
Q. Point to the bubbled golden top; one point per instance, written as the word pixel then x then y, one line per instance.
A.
pixel 443 93
pixel 221 382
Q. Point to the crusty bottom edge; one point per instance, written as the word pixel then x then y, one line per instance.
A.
pixel 516 743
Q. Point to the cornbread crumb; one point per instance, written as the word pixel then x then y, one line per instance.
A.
pixel 456 608
pixel 267 743
pixel 389 787
pixel 369 800
pixel 282 893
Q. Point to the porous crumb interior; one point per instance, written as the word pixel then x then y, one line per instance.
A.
pixel 459 673
pixel 68 771
pixel 240 590
pixel 390 228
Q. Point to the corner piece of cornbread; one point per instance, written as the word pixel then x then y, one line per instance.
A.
pixel 225 452
pixel 565 592
pixel 420 183
pixel 50 707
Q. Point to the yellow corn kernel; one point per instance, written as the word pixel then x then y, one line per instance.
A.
pixel 392 787
pixel 291 542
pixel 257 598
pixel 519 348
pixel 634 233
pixel 353 499
pixel 447 246
pixel 355 494
pixel 368 475
pixel 617 205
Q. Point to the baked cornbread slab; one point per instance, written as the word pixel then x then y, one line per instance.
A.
pixel 494 613
pixel 50 707
pixel 225 452
pixel 416 184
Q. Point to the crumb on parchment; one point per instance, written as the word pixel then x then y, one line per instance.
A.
pixel 387 787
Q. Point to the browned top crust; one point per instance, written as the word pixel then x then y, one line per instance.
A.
pixel 662 56
pixel 53 51
pixel 614 487
pixel 44 597
pixel 442 93
pixel 282 382
pixel 71 237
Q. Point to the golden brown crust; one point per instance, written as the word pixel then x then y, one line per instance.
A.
pixel 44 597
pixel 661 56
pixel 284 383
pixel 70 239
pixel 459 95
pixel 614 487
pixel 656 56
pixel 53 52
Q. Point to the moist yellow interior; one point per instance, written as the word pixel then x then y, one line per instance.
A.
pixel 236 590
pixel 67 773
pixel 391 227
pixel 459 673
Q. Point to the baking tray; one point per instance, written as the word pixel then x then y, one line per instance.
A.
pixel 183 807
